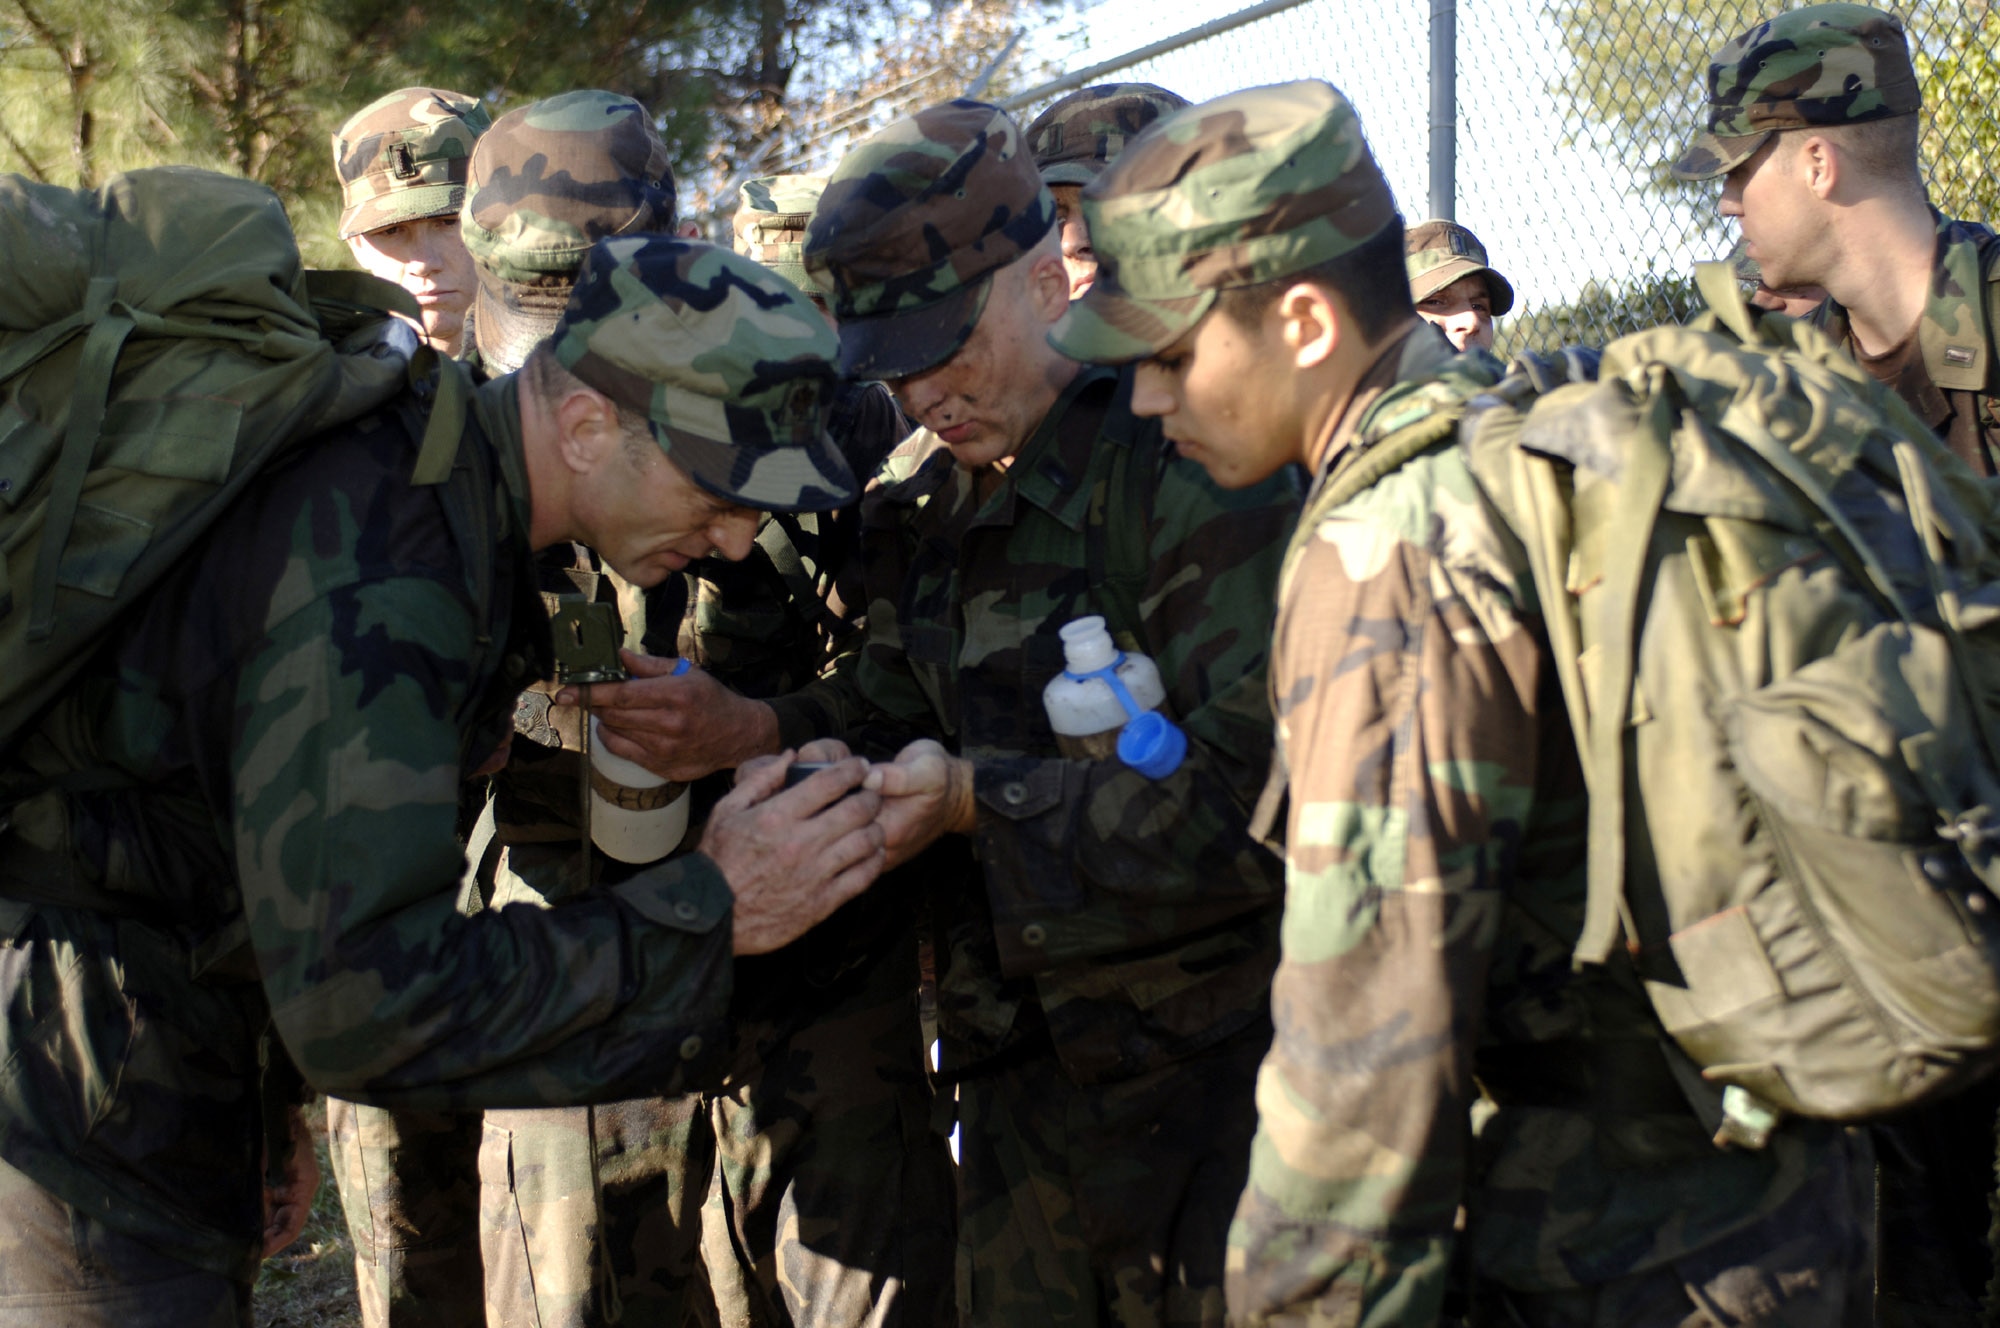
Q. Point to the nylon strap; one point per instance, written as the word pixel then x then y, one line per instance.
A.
pixel 1724 295
pixel 88 396
pixel 1648 466
pixel 447 418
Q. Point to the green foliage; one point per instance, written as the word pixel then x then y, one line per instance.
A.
pixel 1602 312
pixel 1961 87
pixel 256 87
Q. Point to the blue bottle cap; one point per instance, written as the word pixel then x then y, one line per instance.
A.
pixel 1153 745
pixel 681 666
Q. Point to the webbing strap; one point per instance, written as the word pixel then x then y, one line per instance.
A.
pixel 88 396
pixel 1648 466
pixel 447 419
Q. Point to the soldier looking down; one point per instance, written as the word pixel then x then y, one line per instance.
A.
pixel 1102 968
pixel 1252 264
pixel 280 737
pixel 402 161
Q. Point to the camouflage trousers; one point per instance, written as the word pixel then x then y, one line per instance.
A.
pixel 1809 1264
pixel 409 1186
pixel 59 1266
pixel 1103 1203
pixel 591 1215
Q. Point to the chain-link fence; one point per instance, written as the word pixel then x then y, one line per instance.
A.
pixel 1566 114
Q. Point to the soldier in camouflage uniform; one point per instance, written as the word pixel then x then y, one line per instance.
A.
pixel 821 1123
pixel 1812 125
pixel 408 1180
pixel 1453 285
pixel 1252 262
pixel 831 1199
pixel 1074 140
pixel 402 162
pixel 251 795
pixel 1102 968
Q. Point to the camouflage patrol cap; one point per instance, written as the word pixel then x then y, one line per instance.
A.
pixel 731 366
pixel 1821 65
pixel 771 223
pixel 1438 253
pixel 913 225
pixel 1075 139
pixel 547 182
pixel 404 157
pixel 1244 189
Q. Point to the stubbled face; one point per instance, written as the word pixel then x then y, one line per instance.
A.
pixel 1464 310
pixel 1775 210
pixel 1078 257
pixel 986 400
pixel 427 258
pixel 648 519
pixel 1222 394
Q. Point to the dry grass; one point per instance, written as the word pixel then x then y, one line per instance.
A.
pixel 311 1285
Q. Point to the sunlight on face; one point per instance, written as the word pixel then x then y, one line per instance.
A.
pixel 427 258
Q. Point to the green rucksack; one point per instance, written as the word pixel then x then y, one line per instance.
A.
pixel 160 343
pixel 1773 600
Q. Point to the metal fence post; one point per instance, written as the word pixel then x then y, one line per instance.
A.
pixel 1444 108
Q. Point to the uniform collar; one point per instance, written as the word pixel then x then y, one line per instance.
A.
pixel 1952 335
pixel 1050 469
pixel 1421 354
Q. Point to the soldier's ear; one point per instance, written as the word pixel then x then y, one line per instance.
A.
pixel 587 432
pixel 1310 323
pixel 1819 164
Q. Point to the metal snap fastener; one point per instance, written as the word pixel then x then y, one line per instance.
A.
pixel 690 1047
pixel 1032 934
pixel 686 912
pixel 1015 794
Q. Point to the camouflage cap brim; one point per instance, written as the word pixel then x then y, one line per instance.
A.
pixel 891 346
pixel 1072 172
pixel 813 478
pixel 1709 156
pixel 1436 279
pixel 1107 325
pixel 771 477
pixel 509 319
pixel 393 209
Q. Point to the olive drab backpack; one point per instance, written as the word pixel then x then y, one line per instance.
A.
pixel 160 343
pixel 1773 600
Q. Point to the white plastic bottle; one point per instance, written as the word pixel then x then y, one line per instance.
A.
pixel 1106 703
pixel 635 816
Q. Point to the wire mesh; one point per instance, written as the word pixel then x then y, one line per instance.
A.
pixel 1568 112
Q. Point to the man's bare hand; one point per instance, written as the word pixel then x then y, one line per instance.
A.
pixel 287 1206
pixel 793 856
pixel 680 728
pixel 926 794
